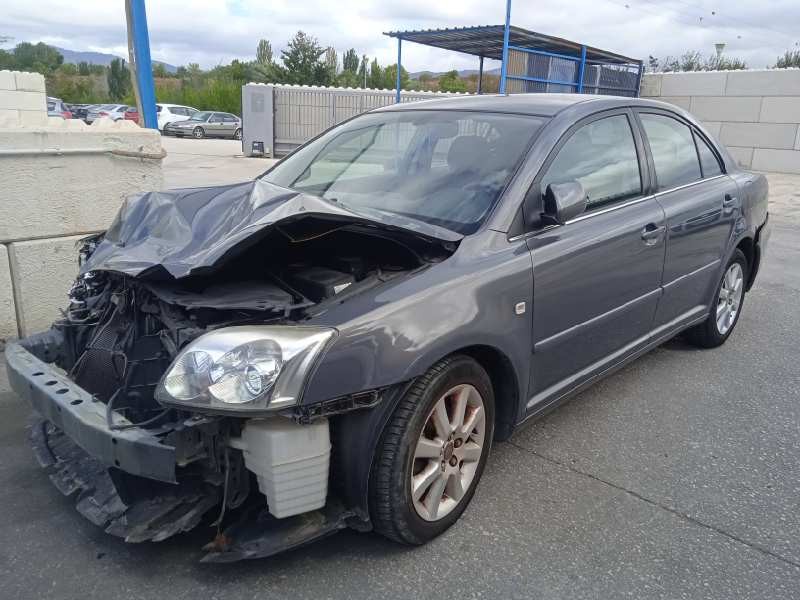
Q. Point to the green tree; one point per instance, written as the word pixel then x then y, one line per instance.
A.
pixel 451 82
pixel 119 79
pixel 331 65
pixel 350 61
pixel 694 61
pixel 68 69
pixel 362 71
pixel 375 79
pixel 39 58
pixel 264 53
pixel 790 58
pixel 349 79
pixel 160 70
pixel 390 78
pixel 83 68
pixel 301 60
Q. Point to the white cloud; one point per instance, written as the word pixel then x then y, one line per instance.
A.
pixel 211 32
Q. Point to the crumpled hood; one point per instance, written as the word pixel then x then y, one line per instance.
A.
pixel 192 229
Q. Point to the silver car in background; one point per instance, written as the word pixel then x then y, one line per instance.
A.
pixel 207 123
pixel 115 112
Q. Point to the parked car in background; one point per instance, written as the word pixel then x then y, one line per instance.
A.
pixel 57 108
pixel 115 112
pixel 207 124
pixel 132 114
pixel 173 113
pixel 79 111
pixel 339 342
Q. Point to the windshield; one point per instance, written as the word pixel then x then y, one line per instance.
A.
pixel 200 116
pixel 443 168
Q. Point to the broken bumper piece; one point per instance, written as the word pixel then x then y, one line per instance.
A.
pixel 167 510
pixel 81 416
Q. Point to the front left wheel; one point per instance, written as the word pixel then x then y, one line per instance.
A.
pixel 432 452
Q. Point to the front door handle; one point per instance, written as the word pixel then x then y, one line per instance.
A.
pixel 652 233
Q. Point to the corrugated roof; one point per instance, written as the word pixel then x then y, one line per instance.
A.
pixel 487 41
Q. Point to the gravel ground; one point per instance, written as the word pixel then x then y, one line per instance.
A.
pixel 677 477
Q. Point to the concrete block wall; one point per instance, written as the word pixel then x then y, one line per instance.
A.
pixel 22 98
pixel 60 181
pixel 755 114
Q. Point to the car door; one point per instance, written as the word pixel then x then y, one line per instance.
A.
pixel 229 125
pixel 700 203
pixel 597 277
pixel 214 125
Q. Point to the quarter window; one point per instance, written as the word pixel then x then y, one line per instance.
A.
pixel 673 149
pixel 602 157
pixel 708 160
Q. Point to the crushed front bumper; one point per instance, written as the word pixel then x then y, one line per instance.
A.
pixel 126 481
pixel 81 416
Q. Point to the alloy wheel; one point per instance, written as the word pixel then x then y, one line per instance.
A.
pixel 730 298
pixel 448 452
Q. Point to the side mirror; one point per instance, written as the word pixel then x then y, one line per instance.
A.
pixel 563 201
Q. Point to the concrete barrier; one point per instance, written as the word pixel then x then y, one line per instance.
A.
pixel 61 179
pixel 756 114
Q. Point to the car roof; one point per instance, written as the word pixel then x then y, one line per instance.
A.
pixel 541 104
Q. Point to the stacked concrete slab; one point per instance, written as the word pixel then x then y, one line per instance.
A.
pixel 61 180
pixel 756 114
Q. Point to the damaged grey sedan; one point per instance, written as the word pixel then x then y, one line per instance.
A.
pixel 339 342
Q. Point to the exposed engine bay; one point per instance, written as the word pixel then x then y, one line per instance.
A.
pixel 121 332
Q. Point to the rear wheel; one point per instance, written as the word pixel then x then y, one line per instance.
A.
pixel 432 452
pixel 198 133
pixel 726 308
pixel 237 135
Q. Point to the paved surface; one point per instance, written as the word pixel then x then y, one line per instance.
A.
pixel 678 477
pixel 191 163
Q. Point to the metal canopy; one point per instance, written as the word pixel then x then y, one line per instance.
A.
pixel 487 41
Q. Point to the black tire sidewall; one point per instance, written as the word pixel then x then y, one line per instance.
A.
pixel 463 370
pixel 202 133
pixel 714 336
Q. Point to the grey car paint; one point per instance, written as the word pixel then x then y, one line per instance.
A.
pixel 554 307
pixel 585 320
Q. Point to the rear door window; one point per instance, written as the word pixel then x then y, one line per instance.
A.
pixel 673 150
pixel 708 160
pixel 602 156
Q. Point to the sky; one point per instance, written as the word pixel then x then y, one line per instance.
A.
pixel 211 32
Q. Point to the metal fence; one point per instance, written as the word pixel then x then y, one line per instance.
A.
pixel 278 118
pixel 540 71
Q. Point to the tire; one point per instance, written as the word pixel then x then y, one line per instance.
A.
pixel 726 307
pixel 198 133
pixel 395 514
pixel 237 135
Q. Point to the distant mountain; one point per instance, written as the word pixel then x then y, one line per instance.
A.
pixel 462 73
pixel 99 58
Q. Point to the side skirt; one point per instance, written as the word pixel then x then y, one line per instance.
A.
pixel 539 408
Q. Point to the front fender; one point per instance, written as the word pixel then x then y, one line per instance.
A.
pixel 397 331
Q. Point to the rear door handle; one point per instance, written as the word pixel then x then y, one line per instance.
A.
pixel 728 200
pixel 652 233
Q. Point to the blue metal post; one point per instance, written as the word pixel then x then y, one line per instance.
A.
pixel 582 69
pixel 144 68
pixel 480 75
pixel 399 48
pixel 504 67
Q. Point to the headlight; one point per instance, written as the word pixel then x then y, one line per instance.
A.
pixel 246 369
